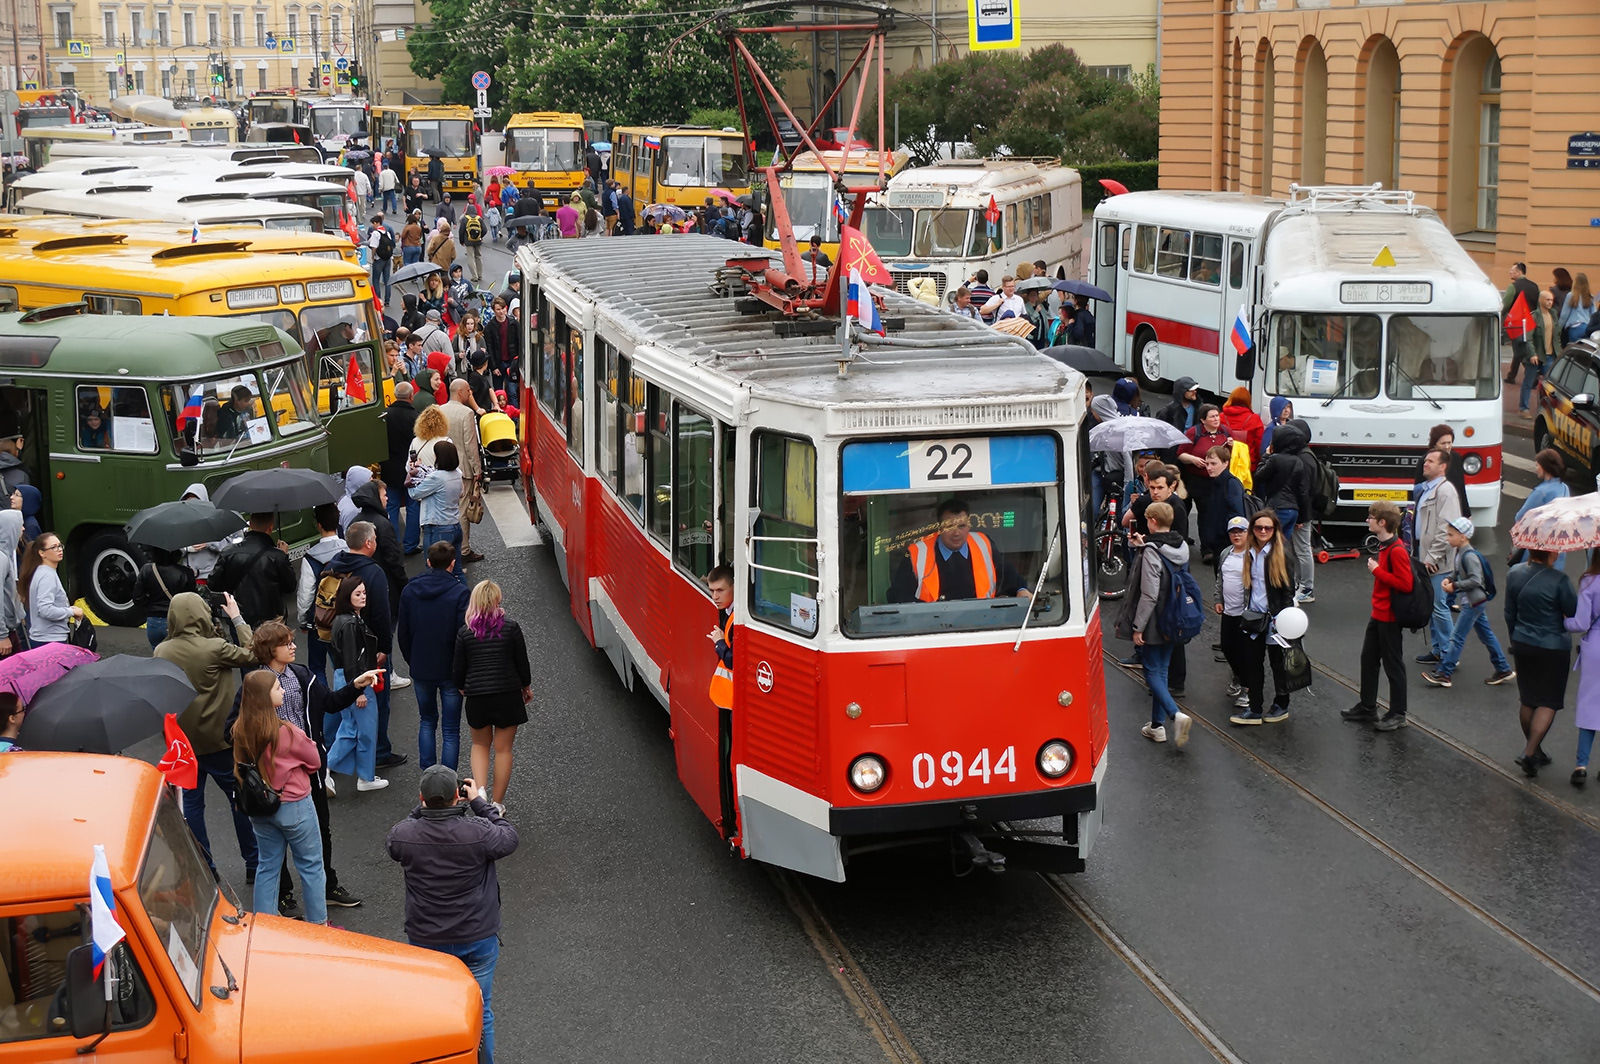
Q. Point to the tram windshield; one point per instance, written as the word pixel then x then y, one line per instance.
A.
pixel 950 535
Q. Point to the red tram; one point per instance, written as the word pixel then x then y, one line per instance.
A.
pixel 671 426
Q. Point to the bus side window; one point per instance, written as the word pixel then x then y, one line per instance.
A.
pixel 1144 250
pixel 1108 244
pixel 1044 213
pixel 1019 232
pixel 115 419
pixel 645 161
pixel 1236 265
pixel 1205 263
pixel 8 300
pixel 1172 256
pixel 1127 246
pixel 112 304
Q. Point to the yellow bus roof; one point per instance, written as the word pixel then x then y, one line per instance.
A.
pixel 441 110
pixel 171 273
pixel 651 131
pixel 544 120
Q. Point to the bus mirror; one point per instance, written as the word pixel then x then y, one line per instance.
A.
pixel 187 457
pixel 1244 366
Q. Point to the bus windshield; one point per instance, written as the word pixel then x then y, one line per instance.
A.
pixel 329 122
pixel 209 134
pixel 1324 356
pixel 710 162
pixel 888 229
pixel 930 233
pixel 221 416
pixel 1437 356
pixel 962 547
pixel 336 325
pixel 271 111
pixel 298 225
pixel 544 149
pixel 451 138
pixel 810 204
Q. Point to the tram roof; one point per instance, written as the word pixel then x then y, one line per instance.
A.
pixel 656 291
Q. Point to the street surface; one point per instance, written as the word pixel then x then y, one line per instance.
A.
pixel 1309 891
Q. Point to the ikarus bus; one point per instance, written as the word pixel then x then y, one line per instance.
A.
pixel 1357 304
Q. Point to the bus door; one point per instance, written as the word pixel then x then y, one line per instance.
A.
pixel 24 412
pixel 1238 295
pixel 1107 323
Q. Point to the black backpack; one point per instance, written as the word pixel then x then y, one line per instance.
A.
pixel 385 249
pixel 1413 609
pixel 253 796
pixel 1324 489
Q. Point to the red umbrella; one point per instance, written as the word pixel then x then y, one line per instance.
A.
pixel 25 674
pixel 1116 188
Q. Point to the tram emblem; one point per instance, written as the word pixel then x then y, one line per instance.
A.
pixel 764 677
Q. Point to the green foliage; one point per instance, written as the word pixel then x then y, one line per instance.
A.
pixel 1137 175
pixel 715 117
pixel 607 59
pixel 1043 102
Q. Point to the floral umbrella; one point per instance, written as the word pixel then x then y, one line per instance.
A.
pixel 498 171
pixel 1566 524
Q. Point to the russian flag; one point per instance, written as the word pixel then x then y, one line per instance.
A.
pixel 1241 332
pixel 194 234
pixel 653 143
pixel 192 409
pixel 840 211
pixel 861 307
pixel 103 913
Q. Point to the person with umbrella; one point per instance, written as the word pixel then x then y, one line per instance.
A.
pixel 210 662
pixel 257 571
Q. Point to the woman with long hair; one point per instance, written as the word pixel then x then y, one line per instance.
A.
pixel 434 295
pixel 1577 309
pixel 1232 603
pixel 1243 423
pixel 1270 590
pixel 50 612
pixel 160 578
pixel 286 757
pixel 1442 437
pixel 354 648
pixel 1538 602
pixel 1584 622
pixel 492 673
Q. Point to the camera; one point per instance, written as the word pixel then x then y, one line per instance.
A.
pixel 462 790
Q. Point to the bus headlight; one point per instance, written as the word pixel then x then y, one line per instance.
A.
pixel 867 773
pixel 1055 759
pixel 1471 465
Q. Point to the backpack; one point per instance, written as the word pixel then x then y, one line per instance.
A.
pixel 385 249
pixel 472 229
pixel 1252 505
pixel 1324 489
pixel 1413 609
pixel 1239 464
pixel 1180 615
pixel 1488 574
pixel 324 603
pixel 254 796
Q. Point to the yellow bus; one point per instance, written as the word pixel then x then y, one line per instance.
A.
pixel 449 132
pixel 37 141
pixel 678 164
pixel 35 227
pixel 325 305
pixel 387 125
pixel 205 125
pixel 809 195
pixel 211 125
pixel 545 148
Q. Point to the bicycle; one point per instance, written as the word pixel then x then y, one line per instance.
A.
pixel 1111 549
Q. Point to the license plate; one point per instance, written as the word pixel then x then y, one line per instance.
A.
pixel 1370 494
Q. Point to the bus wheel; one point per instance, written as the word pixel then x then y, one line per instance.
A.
pixel 109 577
pixel 1147 359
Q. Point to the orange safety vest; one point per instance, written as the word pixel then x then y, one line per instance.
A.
pixel 722 679
pixel 925 564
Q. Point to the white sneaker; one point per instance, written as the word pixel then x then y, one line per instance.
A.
pixel 1182 722
pixel 376 783
pixel 1154 734
pixel 499 807
pixel 327 785
pixel 1241 700
pixel 1235 689
pixel 396 682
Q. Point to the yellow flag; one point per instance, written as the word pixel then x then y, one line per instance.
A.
pixel 1385 257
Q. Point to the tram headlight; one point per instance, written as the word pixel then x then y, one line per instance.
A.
pixel 867 773
pixel 1471 465
pixel 1055 759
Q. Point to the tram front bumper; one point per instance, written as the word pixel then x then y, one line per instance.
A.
pixel 964 812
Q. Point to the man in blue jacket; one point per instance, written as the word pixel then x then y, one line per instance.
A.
pixel 361 543
pixel 433 607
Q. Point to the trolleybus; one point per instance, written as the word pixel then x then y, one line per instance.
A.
pixel 448 132
pixel 274 105
pixel 1360 307
pixel 949 220
pixel 678 164
pixel 810 195
pixel 675 426
pixel 544 149
pixel 335 120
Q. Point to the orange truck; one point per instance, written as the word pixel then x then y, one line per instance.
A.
pixel 196 979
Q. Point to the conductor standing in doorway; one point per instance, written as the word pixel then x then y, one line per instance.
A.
pixel 720 583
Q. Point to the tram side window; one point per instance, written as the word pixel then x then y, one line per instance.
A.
pixel 1205 260
pixel 574 394
pixel 783 494
pixel 112 304
pixel 659 479
pixel 692 530
pixel 1144 250
pixel 1086 518
pixel 550 322
pixel 115 419
pixel 630 404
pixel 606 384
pixel 1172 254
pixel 725 506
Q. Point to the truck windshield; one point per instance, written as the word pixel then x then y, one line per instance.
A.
pixel 941 535
pixel 179 894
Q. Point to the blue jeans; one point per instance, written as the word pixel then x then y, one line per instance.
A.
pixel 1470 618
pixel 1157 659
pixel 432 696
pixel 155 629
pixel 391 201
pixel 480 958
pixel 450 534
pixel 1531 376
pixel 355 749
pixel 1585 744
pixel 1441 623
pixel 399 497
pixel 317 655
pixel 292 827
pixel 218 766
pixel 380 275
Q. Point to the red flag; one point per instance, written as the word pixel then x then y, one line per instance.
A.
pixel 350 189
pixel 179 765
pixel 296 133
pixel 855 253
pixel 992 215
pixel 1519 319
pixel 355 386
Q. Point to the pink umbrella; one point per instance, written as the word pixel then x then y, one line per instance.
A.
pixel 25 674
pixel 498 171
pixel 725 194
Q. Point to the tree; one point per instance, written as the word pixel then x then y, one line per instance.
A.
pixel 610 62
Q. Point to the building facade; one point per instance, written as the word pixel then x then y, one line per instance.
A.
pixel 1480 108
pixel 21 43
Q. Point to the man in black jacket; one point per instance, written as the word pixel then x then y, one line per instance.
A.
pixel 400 419
pixel 361 542
pixel 256 571
pixel 448 847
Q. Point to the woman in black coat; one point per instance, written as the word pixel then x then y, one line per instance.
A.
pixel 160 578
pixel 492 673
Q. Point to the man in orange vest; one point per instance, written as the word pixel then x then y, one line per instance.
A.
pixel 954 562
pixel 720 582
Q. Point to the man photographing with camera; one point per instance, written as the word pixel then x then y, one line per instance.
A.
pixel 447 848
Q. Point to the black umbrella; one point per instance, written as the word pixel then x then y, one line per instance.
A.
pixel 1082 288
pixel 526 220
pixel 1085 360
pixel 175 525
pixel 274 490
pixel 105 706
pixel 413 270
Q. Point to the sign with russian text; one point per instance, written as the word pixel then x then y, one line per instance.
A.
pixel 1584 144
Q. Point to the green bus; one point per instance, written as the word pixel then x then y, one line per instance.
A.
pixel 119 413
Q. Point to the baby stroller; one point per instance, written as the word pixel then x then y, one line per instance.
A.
pixel 498 435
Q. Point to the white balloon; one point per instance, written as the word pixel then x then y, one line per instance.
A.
pixel 1292 622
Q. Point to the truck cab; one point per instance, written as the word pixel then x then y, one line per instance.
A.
pixel 197 977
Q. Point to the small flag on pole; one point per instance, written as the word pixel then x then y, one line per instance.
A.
pixel 840 211
pixel 1241 332
pixel 653 143
pixel 194 234
pixel 179 765
pixel 106 932
pixel 1519 319
pixel 861 306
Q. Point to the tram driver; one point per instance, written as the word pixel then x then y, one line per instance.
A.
pixel 954 562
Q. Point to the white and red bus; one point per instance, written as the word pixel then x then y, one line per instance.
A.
pixel 1362 308
pixel 671 425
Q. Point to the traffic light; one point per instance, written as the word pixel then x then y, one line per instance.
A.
pixel 129 83
pixel 355 77
pixel 311 79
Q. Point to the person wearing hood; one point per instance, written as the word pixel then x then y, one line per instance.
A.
pixel 161 579
pixel 1140 613
pixel 32 506
pixel 1304 560
pixel 1184 410
pixel 354 478
pixel 1243 422
pixel 425 384
pixel 12 472
pixel 433 608
pixel 1126 393
pixel 372 505
pixel 202 557
pixel 1110 467
pixel 13 617
pixel 1282 410
pixel 411 318
pixel 316 557
pixel 358 559
pixel 1281 481
pixel 210 662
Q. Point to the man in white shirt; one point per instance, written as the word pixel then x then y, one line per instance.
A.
pixel 363 185
pixel 389 185
pixel 1006 303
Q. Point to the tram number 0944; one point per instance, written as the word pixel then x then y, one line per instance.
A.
pixel 952 768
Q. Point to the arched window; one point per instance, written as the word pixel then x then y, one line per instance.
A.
pixel 1382 115
pixel 1266 105
pixel 1313 114
pixel 1473 194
